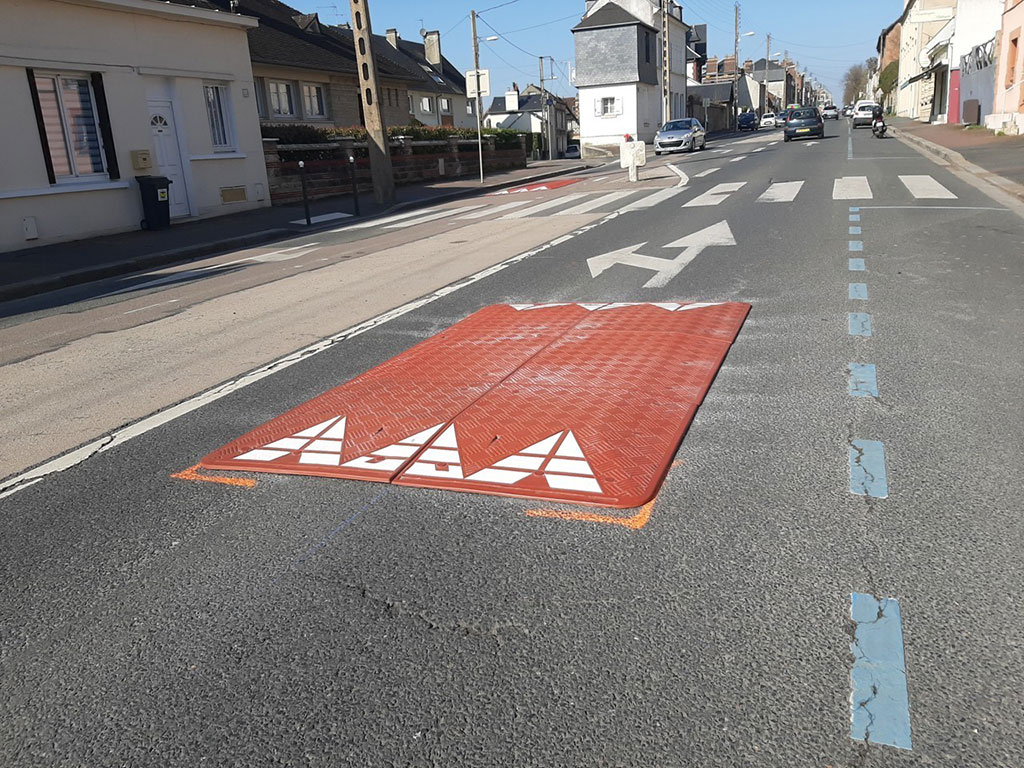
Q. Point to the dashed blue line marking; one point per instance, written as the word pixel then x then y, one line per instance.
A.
pixel 856 245
pixel 879 703
pixel 854 216
pixel 854 209
pixel 854 230
pixel 867 469
pixel 857 265
pixel 863 380
pixel 859 323
pixel 859 291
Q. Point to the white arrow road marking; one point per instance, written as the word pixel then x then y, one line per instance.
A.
pixel 683 178
pixel 810 143
pixel 665 269
pixel 708 172
pixel 781 192
pixel 715 195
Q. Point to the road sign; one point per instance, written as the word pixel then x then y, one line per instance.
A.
pixel 632 153
pixel 485 83
pixel 665 269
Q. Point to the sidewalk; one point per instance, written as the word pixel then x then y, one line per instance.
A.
pixel 998 159
pixel 37 270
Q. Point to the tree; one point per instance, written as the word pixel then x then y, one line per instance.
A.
pixel 855 81
pixel 887 79
pixel 872 64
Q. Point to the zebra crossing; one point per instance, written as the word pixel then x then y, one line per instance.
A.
pixel 858 188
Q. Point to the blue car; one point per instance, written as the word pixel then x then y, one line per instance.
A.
pixel 748 121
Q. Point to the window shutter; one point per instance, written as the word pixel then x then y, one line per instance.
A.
pixel 41 126
pixel 618 106
pixel 103 117
pixel 597 107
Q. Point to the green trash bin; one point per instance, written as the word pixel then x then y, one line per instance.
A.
pixel 156 201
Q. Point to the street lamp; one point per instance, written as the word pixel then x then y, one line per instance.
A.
pixel 736 70
pixel 476 75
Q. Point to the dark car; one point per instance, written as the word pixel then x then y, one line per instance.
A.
pixel 747 121
pixel 804 123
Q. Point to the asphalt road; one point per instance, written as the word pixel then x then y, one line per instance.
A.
pixel 147 620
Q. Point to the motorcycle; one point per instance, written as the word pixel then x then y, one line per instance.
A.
pixel 878 128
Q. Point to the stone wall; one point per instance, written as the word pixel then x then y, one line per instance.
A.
pixel 413 162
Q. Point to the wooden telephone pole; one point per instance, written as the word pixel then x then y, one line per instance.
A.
pixel 666 64
pixel 380 153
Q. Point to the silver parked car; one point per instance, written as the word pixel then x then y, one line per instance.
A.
pixel 684 134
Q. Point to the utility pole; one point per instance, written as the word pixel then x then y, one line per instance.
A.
pixel 545 139
pixel 666 65
pixel 736 71
pixel 380 154
pixel 767 55
pixel 476 71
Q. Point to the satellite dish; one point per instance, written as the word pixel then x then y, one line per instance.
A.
pixel 423 31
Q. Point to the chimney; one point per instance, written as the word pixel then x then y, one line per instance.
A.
pixel 432 48
pixel 392 36
pixel 712 67
pixel 512 99
pixel 748 66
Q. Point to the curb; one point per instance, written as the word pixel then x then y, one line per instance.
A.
pixel 191 252
pixel 954 158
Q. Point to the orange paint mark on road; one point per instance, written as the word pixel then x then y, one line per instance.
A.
pixel 192 474
pixel 634 522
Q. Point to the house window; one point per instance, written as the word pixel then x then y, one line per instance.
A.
pixel 607 106
pixel 281 102
pixel 313 103
pixel 261 99
pixel 411 110
pixel 69 125
pixel 647 46
pixel 218 110
pixel 427 105
pixel 1011 60
pixel 446 105
pixel 469 107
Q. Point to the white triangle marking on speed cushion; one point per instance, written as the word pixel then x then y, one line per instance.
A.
pixel 304 439
pixel 315 431
pixel 544 446
pixel 391 457
pixel 570 447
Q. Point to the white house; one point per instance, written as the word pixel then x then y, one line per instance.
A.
pixel 619 71
pixel 530 112
pixel 99 91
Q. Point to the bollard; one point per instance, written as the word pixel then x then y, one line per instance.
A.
pixel 305 197
pixel 355 187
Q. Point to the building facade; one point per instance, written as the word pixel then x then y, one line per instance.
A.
pixel 922 91
pixel 620 72
pixel 106 90
pixel 1008 105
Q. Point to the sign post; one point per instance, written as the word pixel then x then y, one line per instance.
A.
pixel 632 155
pixel 478 83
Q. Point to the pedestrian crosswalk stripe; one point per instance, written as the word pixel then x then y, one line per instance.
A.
pixel 781 192
pixel 380 222
pixel 494 209
pixel 715 195
pixel 433 216
pixel 852 188
pixel 553 203
pixel 925 187
pixel 648 201
pixel 597 203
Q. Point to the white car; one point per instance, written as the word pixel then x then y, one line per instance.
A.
pixel 862 113
pixel 768 120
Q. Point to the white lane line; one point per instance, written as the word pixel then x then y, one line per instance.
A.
pixel 931 208
pixel 433 216
pixel 852 188
pixel 925 187
pixel 494 209
pixel 381 222
pixel 781 192
pixel 737 159
pixel 85 452
pixel 322 218
pixel 541 207
pixel 150 306
pixel 683 178
pixel 648 201
pixel 590 205
pixel 759 149
pixel 708 172
pixel 721 151
pixel 715 195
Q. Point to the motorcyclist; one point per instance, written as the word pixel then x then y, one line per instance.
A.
pixel 876 114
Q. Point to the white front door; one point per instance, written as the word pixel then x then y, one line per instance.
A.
pixel 168 154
